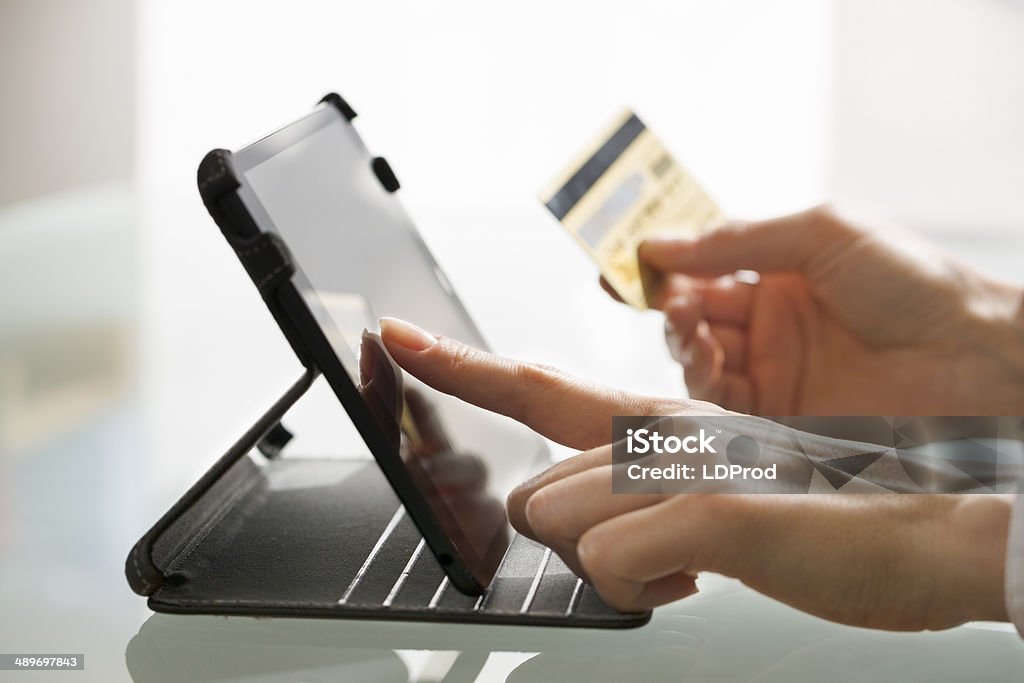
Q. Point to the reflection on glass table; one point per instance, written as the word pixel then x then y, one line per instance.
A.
pixel 726 632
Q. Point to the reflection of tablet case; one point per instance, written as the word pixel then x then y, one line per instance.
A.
pixel 264 535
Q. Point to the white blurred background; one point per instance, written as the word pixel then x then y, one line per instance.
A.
pixel 128 331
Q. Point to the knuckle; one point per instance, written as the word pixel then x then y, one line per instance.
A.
pixel 678 423
pixel 529 382
pixel 667 407
pixel 832 222
pixel 698 407
pixel 526 379
pixel 711 508
pixel 536 376
pixel 463 357
pixel 708 508
pixel 726 233
pixel 825 211
pixel 636 404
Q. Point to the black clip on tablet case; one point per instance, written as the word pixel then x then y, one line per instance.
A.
pixel 264 535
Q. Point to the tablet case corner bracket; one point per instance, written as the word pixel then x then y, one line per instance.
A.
pixel 339 103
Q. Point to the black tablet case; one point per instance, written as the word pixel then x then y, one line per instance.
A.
pixel 265 535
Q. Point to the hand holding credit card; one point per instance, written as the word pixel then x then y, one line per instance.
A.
pixel 624 188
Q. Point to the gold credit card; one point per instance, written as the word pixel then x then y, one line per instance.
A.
pixel 624 188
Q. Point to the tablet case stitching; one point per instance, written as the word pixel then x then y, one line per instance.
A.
pixel 269 242
pixel 138 570
pixel 221 171
pixel 215 518
pixel 270 276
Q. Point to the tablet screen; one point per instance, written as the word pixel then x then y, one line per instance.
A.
pixel 358 256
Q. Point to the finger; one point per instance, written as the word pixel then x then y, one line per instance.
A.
pixel 702 365
pixel 733 341
pixel 790 243
pixel 607 287
pixel 682 316
pixel 728 301
pixel 665 590
pixel 683 313
pixel 674 287
pixel 566 508
pixel 520 496
pixel 682 535
pixel 566 409
pixel 559 512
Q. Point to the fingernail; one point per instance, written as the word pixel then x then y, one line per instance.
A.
pixel 406 334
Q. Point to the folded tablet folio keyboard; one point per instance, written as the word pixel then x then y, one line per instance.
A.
pixel 326 537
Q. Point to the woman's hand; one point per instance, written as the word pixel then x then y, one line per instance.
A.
pixel 844 319
pixel 882 561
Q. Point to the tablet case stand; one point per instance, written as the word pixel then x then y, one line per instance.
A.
pixel 260 534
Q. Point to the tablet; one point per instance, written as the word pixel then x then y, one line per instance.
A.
pixel 357 256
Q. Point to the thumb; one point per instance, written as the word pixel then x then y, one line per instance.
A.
pixel 790 243
pixel 566 409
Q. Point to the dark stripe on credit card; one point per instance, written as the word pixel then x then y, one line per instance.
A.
pixel 581 181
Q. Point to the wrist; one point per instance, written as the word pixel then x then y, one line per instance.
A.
pixel 980 526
